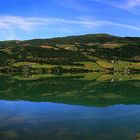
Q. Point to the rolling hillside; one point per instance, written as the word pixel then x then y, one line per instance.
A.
pixel 94 51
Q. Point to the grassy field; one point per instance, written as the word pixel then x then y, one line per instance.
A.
pixel 112 45
pixel 43 76
pixel 18 64
pixel 91 65
pixel 45 66
pixel 72 67
pixel 105 77
pixel 33 77
pixel 98 65
pixel 136 65
pixel 69 47
pixel 33 65
pixel 105 64
pixel 95 76
pixel 125 64
pixel 92 76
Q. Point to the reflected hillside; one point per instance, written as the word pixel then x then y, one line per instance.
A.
pixel 88 90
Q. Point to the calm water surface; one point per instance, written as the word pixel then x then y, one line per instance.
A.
pixel 69 109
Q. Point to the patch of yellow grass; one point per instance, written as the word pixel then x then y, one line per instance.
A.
pixel 136 64
pixel 105 77
pixel 67 47
pixel 104 64
pixel 48 47
pixel 112 45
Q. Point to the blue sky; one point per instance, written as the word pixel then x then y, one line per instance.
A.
pixel 27 19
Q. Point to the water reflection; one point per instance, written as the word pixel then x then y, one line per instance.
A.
pixel 26 120
pixel 71 91
pixel 73 108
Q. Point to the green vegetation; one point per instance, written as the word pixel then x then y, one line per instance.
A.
pixel 33 77
pixel 100 90
pixel 105 64
pixel 90 65
pixel 97 52
pixel 33 65
pixel 125 64
pixel 94 76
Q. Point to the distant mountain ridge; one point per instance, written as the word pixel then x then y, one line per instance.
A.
pixel 71 49
pixel 87 38
pixel 96 38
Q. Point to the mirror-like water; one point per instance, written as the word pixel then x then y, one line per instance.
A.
pixel 69 109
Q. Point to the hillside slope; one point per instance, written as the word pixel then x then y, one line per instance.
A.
pixel 73 50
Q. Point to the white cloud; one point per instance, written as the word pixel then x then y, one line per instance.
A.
pixel 128 5
pixel 132 3
pixel 22 23
pixel 121 25
pixel 28 23
pixel 9 25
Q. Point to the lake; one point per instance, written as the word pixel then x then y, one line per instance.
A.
pixel 70 107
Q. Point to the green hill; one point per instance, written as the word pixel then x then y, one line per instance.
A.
pixel 73 50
